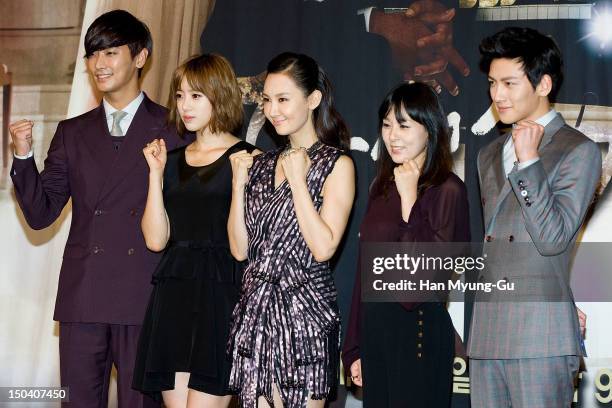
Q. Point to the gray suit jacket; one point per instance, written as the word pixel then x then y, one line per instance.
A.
pixel 531 221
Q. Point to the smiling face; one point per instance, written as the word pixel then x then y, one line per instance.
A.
pixel 193 107
pixel 404 139
pixel 286 106
pixel 114 70
pixel 514 97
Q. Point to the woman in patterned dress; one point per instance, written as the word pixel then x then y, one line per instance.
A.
pixel 287 217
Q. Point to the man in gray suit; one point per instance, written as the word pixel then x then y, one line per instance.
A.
pixel 536 183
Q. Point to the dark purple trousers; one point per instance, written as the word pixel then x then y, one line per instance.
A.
pixel 87 353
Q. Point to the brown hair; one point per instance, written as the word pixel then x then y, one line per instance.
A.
pixel 212 75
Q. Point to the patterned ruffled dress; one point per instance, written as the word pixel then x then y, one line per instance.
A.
pixel 285 328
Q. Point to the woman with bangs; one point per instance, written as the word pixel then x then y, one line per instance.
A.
pixel 402 353
pixel 181 352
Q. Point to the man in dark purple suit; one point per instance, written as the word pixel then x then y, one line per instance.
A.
pixel 96 159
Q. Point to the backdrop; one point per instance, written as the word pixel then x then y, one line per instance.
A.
pixel 364 57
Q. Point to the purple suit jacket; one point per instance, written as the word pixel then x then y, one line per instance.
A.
pixel 106 271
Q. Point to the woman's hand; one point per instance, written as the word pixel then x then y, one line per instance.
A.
pixel 407 178
pixel 156 155
pixel 241 163
pixel 295 164
pixel 356 373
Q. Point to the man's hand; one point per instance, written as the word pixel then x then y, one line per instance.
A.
pixel 421 43
pixel 527 136
pixel 436 50
pixel 21 134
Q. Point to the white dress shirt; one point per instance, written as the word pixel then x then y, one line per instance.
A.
pixel 130 109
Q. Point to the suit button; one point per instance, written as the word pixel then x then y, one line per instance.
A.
pixel 133 212
pixel 511 238
pixel 98 212
pixel 96 249
pixel 420 313
pixel 520 182
pixel 524 193
pixel 419 355
pixel 131 251
pixel 528 204
pixel 420 334
pixel 420 322
pixel 419 345
pixel 521 188
pixel 488 238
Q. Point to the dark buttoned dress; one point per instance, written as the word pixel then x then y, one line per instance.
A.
pixel 407 349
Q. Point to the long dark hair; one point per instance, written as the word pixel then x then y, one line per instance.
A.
pixel 421 103
pixel 309 76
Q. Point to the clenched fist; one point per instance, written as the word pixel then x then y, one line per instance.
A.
pixel 295 164
pixel 156 155
pixel 406 177
pixel 527 136
pixel 21 134
pixel 241 163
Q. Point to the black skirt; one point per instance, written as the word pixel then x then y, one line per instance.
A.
pixel 407 356
pixel 186 325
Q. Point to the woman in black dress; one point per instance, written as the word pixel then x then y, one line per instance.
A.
pixel 196 285
pixel 405 351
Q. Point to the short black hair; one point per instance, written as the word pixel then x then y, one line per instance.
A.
pixel 117 28
pixel 538 53
pixel 420 102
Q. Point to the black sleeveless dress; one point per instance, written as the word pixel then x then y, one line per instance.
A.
pixel 196 284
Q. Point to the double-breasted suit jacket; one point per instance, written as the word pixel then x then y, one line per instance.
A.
pixel 531 220
pixel 106 271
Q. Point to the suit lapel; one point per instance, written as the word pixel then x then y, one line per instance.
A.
pixel 97 138
pixel 144 127
pixel 98 153
pixel 550 130
pixel 496 182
